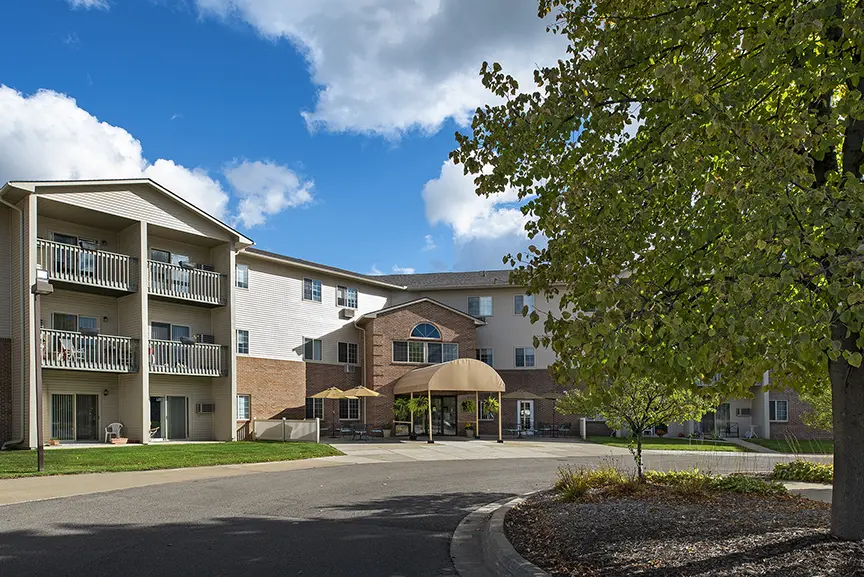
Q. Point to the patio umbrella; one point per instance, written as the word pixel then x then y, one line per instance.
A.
pixel 332 393
pixel 362 391
pixel 522 395
pixel 553 397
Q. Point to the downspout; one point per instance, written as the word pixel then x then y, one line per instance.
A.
pixel 24 298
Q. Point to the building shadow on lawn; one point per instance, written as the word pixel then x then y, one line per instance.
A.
pixel 400 536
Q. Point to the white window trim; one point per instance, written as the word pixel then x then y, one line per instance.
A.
pixel 530 308
pixel 347 354
pixel 303 290
pixel 480 297
pixel 775 419
pixel 411 336
pixel 346 289
pixel 425 343
pixel 170 330
pixel 534 356
pixel 248 342
pixel 321 360
pixel 237 277
pixel 315 401
pixel 249 405
pixel 349 418
pixel 77 319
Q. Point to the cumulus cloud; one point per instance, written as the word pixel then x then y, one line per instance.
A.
pixel 403 269
pixel 87 4
pixel 374 271
pixel 47 136
pixel 430 243
pixel 388 67
pixel 265 189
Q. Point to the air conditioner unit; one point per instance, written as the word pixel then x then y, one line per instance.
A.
pixel 743 412
pixel 187 340
pixel 205 408
pixel 350 368
pixel 206 339
pixel 346 313
pixel 187 265
pixel 89 332
pixel 209 267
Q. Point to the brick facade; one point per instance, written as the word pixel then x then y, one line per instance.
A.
pixel 276 388
pixel 5 390
pixel 794 428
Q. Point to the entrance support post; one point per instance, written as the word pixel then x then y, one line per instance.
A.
pixel 476 414
pixel 411 433
pixel 430 441
pixel 500 436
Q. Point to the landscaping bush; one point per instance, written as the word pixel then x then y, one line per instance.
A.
pixel 804 471
pixel 694 482
pixel 574 483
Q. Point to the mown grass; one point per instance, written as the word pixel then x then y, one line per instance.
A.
pixel 673 443
pixel 796 446
pixel 149 457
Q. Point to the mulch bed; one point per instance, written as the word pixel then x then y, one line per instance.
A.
pixel 660 532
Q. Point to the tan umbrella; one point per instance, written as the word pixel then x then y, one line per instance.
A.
pixel 522 395
pixel 332 393
pixel 553 397
pixel 362 391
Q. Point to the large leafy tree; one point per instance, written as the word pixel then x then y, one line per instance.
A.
pixel 713 150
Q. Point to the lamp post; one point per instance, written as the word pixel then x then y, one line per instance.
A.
pixel 42 287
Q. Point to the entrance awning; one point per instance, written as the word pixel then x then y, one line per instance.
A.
pixel 458 376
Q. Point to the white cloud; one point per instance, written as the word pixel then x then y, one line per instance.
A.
pixel 430 243
pixel 403 269
pixel 374 271
pixel 87 4
pixel 388 67
pixel 48 136
pixel 265 189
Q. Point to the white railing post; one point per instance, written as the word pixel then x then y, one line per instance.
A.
pixel 69 263
pixel 189 284
pixel 71 350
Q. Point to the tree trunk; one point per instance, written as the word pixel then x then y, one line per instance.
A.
pixel 639 469
pixel 847 387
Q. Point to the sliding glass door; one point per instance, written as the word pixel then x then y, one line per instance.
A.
pixel 75 417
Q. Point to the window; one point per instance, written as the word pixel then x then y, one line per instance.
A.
pixel 242 342
pixel 244 407
pixel 524 357
pixel 480 306
pixel 424 353
pixel 346 297
pixel 160 255
pixel 311 350
pixel 314 408
pixel 349 409
pixel 485 355
pixel 311 290
pixel 426 331
pixel 64 322
pixel 349 353
pixel 243 276
pixel 522 301
pixel 778 411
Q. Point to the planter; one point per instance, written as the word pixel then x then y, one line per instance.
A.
pixel 386 433
pixel 54 442
pixel 119 440
pixel 469 433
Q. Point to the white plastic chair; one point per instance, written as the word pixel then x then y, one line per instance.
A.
pixel 113 430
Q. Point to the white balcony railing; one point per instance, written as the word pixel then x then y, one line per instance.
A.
pixel 105 353
pixel 171 280
pixel 70 263
pixel 176 358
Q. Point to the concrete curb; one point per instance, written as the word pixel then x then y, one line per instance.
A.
pixel 479 547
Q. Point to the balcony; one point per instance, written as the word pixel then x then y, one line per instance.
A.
pixel 192 285
pixel 92 270
pixel 79 352
pixel 178 358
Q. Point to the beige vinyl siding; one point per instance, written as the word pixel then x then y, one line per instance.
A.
pixel 197 254
pixel 85 383
pixel 136 202
pixel 28 331
pixel 272 309
pixel 129 409
pixel 8 226
pixel 82 304
pixel 504 330
pixel 222 323
pixel 46 227
pixel 196 318
pixel 198 390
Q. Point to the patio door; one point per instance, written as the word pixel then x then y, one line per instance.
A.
pixel 525 415
pixel 75 417
pixel 177 417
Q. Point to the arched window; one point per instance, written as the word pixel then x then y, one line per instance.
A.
pixel 426 331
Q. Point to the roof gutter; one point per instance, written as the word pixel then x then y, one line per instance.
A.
pixel 20 438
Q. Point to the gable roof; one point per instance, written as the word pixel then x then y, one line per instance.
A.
pixel 374 314
pixel 450 280
pixel 31 185
pixel 314 266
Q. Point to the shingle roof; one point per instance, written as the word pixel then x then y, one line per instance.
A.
pixel 315 265
pixel 449 280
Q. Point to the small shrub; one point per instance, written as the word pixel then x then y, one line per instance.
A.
pixel 694 482
pixel 746 484
pixel 574 483
pixel 688 482
pixel 805 471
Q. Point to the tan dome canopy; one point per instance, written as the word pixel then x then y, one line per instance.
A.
pixel 458 376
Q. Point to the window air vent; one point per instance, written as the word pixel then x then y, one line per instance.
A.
pixel 203 408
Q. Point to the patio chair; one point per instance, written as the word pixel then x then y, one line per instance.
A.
pixel 346 431
pixel 153 432
pixel 563 429
pixel 361 432
pixel 113 430
pixel 377 431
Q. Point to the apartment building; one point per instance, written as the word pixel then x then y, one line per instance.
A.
pixel 168 321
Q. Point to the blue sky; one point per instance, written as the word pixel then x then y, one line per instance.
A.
pixel 315 131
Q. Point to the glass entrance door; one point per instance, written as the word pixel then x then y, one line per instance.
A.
pixel 444 415
pixel 86 417
pixel 525 415
pixel 177 418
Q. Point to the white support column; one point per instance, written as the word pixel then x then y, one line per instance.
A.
pixel 500 435
pixel 430 441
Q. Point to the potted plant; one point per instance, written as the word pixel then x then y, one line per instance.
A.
pixel 53 441
pixel 386 428
pixel 419 406
pixel 469 430
pixel 468 406
pixel 119 440
pixel 490 405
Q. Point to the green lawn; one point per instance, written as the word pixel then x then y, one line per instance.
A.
pixel 141 458
pixel 673 443
pixel 784 446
